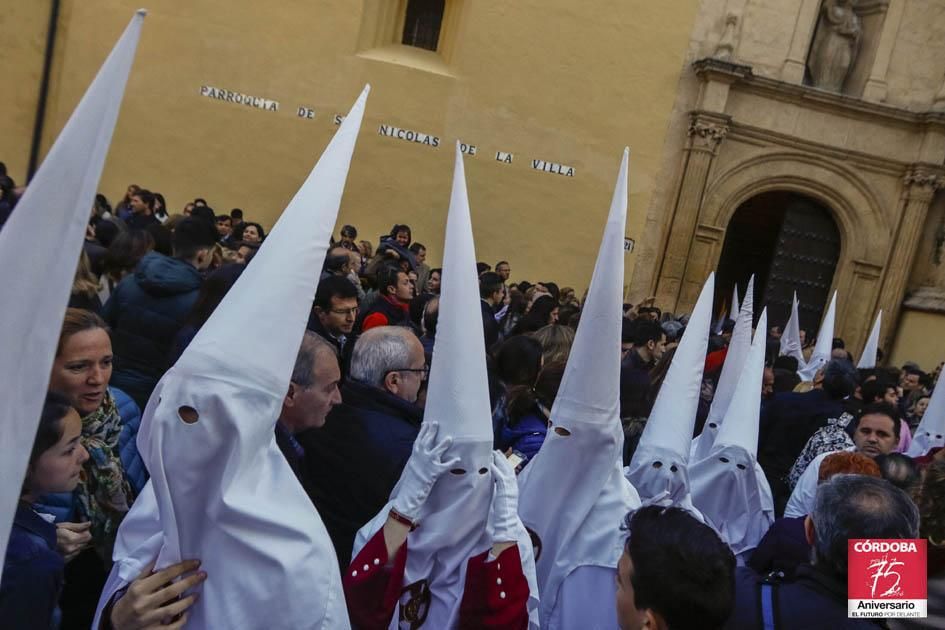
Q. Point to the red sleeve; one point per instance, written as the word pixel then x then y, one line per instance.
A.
pixel 373 320
pixel 372 587
pixel 496 594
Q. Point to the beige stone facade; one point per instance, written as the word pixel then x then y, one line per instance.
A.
pixel 747 122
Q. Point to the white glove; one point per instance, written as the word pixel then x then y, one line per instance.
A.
pixel 505 500
pixel 422 470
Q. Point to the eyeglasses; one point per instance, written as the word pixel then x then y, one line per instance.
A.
pixel 346 311
pixel 424 371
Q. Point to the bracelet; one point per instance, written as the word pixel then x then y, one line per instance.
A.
pixel 403 520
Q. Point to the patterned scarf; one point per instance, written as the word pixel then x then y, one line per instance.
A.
pixel 103 493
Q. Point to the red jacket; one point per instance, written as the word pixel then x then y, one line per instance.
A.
pixel 386 311
pixel 495 596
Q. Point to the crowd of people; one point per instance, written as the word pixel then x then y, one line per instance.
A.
pixel 852 453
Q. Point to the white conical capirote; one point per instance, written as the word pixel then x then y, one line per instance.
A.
pixel 791 336
pixel 736 303
pixel 279 285
pixel 458 392
pixel 590 388
pixel 673 416
pixel 824 346
pixel 738 349
pixel 45 232
pixel 740 425
pixel 871 349
pixel 931 430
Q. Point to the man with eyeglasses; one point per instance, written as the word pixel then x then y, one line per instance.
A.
pixel 334 315
pixel 355 460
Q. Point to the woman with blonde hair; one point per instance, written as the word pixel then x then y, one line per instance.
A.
pixel 85 287
pixel 556 342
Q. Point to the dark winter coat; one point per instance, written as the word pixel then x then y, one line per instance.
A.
pixel 354 461
pixel 32 573
pixel 788 421
pixel 145 312
pixel 811 600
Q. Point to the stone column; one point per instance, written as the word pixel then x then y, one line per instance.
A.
pixel 876 88
pixel 706 132
pixel 920 184
pixel 793 69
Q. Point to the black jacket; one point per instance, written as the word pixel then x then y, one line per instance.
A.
pixel 490 327
pixel 811 600
pixel 145 312
pixel 788 421
pixel 344 350
pixel 354 461
pixel 32 573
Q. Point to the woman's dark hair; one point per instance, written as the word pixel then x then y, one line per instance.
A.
pixel 49 432
pixel 417 306
pixel 522 399
pixel 101 205
pixel 538 316
pixel 349 231
pixel 126 251
pixel 553 290
pixel 518 361
pixel 212 292
pixel 259 228
pixel 517 303
pixel 158 197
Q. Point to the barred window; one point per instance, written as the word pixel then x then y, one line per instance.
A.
pixel 422 23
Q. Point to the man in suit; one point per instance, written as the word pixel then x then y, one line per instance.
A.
pixel 491 293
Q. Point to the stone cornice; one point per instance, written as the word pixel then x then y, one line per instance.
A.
pixel 741 78
pixel 926 299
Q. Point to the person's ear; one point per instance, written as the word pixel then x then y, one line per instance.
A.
pixel 809 533
pixel 289 400
pixel 653 620
pixel 392 382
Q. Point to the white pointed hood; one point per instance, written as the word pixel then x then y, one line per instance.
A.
pixel 871 349
pixel 931 431
pixel 44 236
pixel 573 495
pixel 455 517
pixel 736 302
pixel 738 349
pixel 791 336
pixel 824 346
pixel 728 486
pixel 659 465
pixel 224 491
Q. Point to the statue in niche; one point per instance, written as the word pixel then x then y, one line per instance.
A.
pixel 836 44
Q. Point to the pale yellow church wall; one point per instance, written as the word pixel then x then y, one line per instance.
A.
pixel 921 339
pixel 23 33
pixel 555 80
